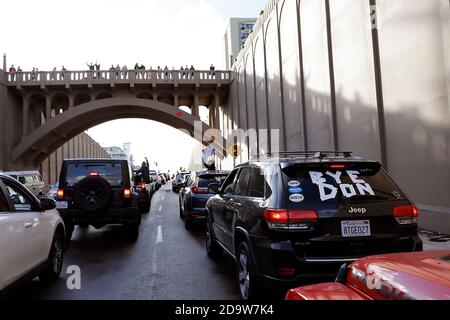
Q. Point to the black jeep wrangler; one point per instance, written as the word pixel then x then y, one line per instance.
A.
pixel 98 192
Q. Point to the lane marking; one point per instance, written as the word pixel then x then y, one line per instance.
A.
pixel 160 207
pixel 163 197
pixel 159 236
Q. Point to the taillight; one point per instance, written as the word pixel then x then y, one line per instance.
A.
pixel 60 194
pixel 338 166
pixel 281 219
pixel 196 189
pixel 406 214
pixel 94 174
pixel 127 193
pixel 142 186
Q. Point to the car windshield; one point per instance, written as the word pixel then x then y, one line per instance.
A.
pixel 180 176
pixel 111 172
pixel 340 183
pixel 205 180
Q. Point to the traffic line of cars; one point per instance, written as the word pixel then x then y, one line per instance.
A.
pixel 34 231
pixel 297 218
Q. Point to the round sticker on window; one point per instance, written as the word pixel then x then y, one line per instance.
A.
pixel 296 198
pixel 293 183
pixel 295 190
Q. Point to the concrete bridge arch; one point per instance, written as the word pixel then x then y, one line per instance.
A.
pixel 49 136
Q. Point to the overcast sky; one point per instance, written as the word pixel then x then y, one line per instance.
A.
pixel 49 33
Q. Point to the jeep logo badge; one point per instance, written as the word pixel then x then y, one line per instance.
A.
pixel 357 210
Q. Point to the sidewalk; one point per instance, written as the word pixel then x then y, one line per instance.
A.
pixel 434 221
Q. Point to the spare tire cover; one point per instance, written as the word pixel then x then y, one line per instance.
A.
pixel 93 194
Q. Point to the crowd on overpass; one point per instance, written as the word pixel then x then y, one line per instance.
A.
pixel 122 72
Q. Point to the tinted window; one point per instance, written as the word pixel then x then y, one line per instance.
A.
pixel 111 172
pixel 228 185
pixel 257 186
pixel 242 182
pixel 180 177
pixel 22 180
pixel 338 183
pixel 18 197
pixel 204 181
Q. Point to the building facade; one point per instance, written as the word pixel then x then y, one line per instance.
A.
pixel 369 76
pixel 238 31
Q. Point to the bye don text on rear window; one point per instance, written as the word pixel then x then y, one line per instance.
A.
pixel 343 182
pixel 111 172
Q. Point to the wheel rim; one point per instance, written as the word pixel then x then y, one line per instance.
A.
pixel 58 256
pixel 244 274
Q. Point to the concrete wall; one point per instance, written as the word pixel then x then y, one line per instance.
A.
pixel 82 146
pixel 320 73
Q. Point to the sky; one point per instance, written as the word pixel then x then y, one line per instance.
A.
pixel 52 33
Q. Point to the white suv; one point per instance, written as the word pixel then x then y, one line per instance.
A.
pixel 31 235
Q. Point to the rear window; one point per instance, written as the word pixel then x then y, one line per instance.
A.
pixel 180 176
pixel 340 183
pixel 205 181
pixel 152 172
pixel 111 172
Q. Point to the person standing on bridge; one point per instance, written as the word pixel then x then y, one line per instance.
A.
pixel 124 72
pixel 63 72
pixel 117 71
pixel 212 74
pixel 193 71
pixel 12 70
pixel 97 67
pixel 166 69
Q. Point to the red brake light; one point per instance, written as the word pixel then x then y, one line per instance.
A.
pixel 127 193
pixel 338 166
pixel 196 189
pixel 94 174
pixel 406 211
pixel 60 194
pixel 142 185
pixel 302 215
pixel 273 215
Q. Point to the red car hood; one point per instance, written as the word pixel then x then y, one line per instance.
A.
pixel 419 275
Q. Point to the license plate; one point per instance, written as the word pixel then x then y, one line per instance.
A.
pixel 62 204
pixel 360 228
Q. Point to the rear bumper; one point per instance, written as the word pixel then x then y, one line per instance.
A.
pixel 272 256
pixel 109 216
pixel 196 214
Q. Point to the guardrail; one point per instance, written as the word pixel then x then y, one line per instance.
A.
pixel 90 77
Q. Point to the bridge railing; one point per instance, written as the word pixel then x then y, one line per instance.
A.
pixel 90 77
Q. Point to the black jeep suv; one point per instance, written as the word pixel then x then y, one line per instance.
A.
pixel 98 192
pixel 296 219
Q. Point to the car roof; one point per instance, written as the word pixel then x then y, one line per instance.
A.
pixel 96 159
pixel 18 173
pixel 304 157
pixel 212 172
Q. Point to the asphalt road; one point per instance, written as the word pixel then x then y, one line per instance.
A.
pixel 167 262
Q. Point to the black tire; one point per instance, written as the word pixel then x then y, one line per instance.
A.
pixel 132 230
pixel 69 230
pixel 181 210
pixel 92 194
pixel 188 223
pixel 55 260
pixel 248 286
pixel 213 249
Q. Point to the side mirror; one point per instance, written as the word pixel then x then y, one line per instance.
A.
pixel 47 204
pixel 214 188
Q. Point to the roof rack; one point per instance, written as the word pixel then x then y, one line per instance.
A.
pixel 305 154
